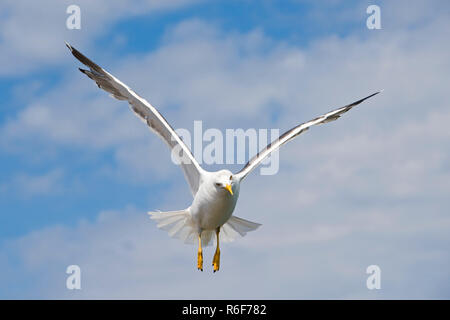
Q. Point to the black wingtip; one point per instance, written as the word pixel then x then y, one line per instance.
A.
pixel 364 99
pixel 83 59
pixel 373 94
pixel 68 46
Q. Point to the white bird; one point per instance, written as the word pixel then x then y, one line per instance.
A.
pixel 215 193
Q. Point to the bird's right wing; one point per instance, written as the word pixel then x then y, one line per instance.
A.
pixel 147 113
pixel 290 134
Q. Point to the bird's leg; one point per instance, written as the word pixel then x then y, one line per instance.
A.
pixel 216 260
pixel 200 254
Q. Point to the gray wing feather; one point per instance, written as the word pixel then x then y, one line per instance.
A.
pixel 290 134
pixel 147 113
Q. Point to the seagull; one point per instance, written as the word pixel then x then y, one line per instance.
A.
pixel 214 193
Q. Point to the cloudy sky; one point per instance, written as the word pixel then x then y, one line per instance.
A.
pixel 79 171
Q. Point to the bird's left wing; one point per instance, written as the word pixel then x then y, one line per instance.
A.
pixel 290 134
pixel 147 113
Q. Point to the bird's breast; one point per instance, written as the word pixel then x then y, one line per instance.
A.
pixel 212 209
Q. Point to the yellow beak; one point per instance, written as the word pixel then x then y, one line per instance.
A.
pixel 228 187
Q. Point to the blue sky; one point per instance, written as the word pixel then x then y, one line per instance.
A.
pixel 79 171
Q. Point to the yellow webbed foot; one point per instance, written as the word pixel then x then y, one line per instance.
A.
pixel 216 261
pixel 200 255
pixel 200 261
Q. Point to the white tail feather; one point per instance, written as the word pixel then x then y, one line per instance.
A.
pixel 180 225
pixel 177 223
pixel 236 227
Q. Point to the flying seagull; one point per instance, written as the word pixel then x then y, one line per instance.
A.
pixel 215 193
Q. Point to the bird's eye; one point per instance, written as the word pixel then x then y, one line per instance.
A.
pixel 217 184
pixel 231 177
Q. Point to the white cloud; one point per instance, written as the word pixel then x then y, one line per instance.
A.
pixel 32 34
pixel 123 255
pixel 27 185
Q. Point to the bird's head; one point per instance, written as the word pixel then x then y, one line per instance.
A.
pixel 224 180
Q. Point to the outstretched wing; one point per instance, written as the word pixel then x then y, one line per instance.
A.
pixel 147 113
pixel 287 136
